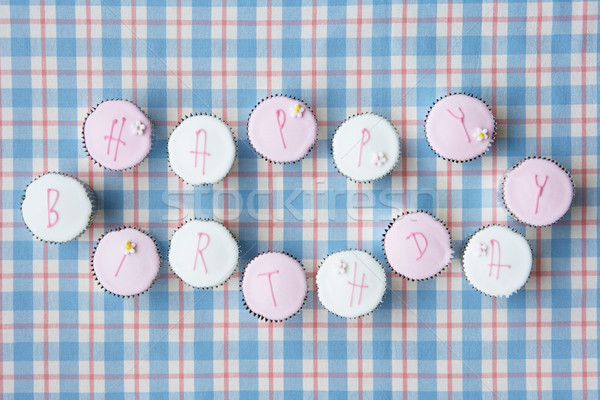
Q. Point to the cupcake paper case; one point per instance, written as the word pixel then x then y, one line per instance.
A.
pixel 282 129
pixel 537 191
pixel 203 253
pixel 201 149
pixel 117 134
pixel 497 260
pixel 417 245
pixel 126 261
pixel 460 127
pixel 58 207
pixel 274 286
pixel 351 283
pixel 365 147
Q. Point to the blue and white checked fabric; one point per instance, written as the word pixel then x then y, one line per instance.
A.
pixel 535 63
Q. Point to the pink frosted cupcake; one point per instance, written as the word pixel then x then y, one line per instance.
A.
pixel 117 135
pixel 417 245
pixel 282 129
pixel 274 286
pixel 538 191
pixel 126 261
pixel 460 127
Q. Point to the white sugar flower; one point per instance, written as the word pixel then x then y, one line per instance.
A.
pixel 481 134
pixel 379 159
pixel 129 247
pixel 342 266
pixel 139 128
pixel 483 249
pixel 297 110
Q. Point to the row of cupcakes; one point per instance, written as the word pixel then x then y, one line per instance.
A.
pixel 497 261
pixel 204 254
pixel 117 135
pixel 57 207
pixel 201 149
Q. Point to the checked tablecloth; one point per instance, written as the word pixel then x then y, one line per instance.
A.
pixel 535 63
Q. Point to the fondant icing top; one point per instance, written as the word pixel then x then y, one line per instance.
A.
pixel 366 147
pixel 351 283
pixel 201 149
pixel 538 192
pixel 460 127
pixel 56 207
pixel 497 260
pixel 117 134
pixel 122 271
pixel 203 253
pixel 274 286
pixel 417 245
pixel 282 129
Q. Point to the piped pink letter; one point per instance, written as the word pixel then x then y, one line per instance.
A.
pixel 354 284
pixel 51 210
pixel 268 275
pixel 280 115
pixel 366 136
pixel 539 192
pixel 120 265
pixel 419 249
pixel 461 118
pixel 492 264
pixel 117 139
pixel 200 250
pixel 203 152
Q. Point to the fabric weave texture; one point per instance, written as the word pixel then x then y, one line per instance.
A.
pixel 534 63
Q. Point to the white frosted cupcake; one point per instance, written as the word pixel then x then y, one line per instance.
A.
pixel 497 260
pixel 57 207
pixel 203 253
pixel 351 283
pixel 365 147
pixel 201 149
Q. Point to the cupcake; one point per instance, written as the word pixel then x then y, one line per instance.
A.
pixel 201 149
pixel 274 286
pixel 460 127
pixel 57 207
pixel 351 283
pixel 282 129
pixel 203 253
pixel 365 147
pixel 537 191
pixel 417 245
pixel 497 260
pixel 125 262
pixel 117 135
